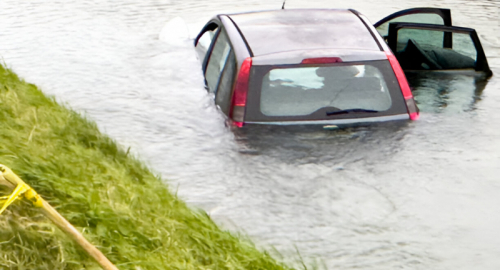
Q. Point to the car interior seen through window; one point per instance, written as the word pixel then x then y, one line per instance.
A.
pixel 304 90
pixel 428 45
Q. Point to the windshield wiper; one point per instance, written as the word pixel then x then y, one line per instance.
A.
pixel 350 111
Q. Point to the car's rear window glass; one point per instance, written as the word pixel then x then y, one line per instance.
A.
pixel 428 44
pixel 303 90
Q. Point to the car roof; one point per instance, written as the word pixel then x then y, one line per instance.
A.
pixel 268 32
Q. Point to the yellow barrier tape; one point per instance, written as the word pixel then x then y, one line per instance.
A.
pixel 32 196
pixel 9 178
pixel 21 190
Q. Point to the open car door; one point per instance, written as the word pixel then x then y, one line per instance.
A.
pixel 432 47
pixel 424 39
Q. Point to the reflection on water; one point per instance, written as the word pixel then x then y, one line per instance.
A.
pixel 415 195
pixel 315 144
pixel 443 92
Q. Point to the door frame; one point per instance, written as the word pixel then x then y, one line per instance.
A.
pixel 481 62
pixel 442 12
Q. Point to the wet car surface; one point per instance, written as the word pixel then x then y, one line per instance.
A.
pixel 328 66
pixel 302 66
pixel 419 195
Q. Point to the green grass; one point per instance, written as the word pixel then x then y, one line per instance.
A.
pixel 119 205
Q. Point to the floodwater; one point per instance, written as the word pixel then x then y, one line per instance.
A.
pixel 417 195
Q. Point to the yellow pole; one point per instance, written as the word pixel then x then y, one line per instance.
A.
pixel 11 180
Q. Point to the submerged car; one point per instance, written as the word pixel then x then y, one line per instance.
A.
pixel 327 66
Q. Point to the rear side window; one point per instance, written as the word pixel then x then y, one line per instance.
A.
pixel 224 90
pixel 203 43
pixel 304 90
pixel 216 61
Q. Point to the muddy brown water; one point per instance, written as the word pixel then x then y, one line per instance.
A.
pixel 417 195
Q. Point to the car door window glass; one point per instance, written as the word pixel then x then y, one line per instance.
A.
pixel 216 61
pixel 423 37
pixel 429 18
pixel 224 90
pixel 463 44
pixel 204 43
pixel 425 50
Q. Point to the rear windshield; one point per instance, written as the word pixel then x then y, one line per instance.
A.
pixel 304 90
pixel 300 91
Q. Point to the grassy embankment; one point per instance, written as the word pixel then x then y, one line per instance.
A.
pixel 120 206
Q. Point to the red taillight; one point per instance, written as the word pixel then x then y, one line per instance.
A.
pixel 405 87
pixel 400 75
pixel 322 60
pixel 240 93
